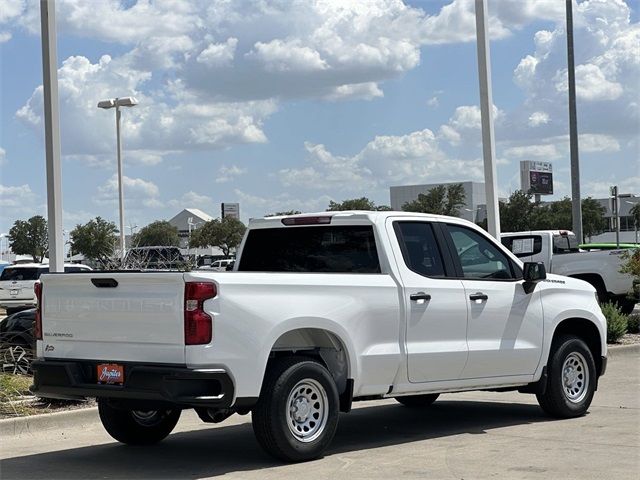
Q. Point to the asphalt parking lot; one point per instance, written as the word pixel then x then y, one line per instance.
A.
pixel 463 436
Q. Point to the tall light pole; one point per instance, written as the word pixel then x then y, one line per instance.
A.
pixel 486 116
pixel 52 133
pixel 576 206
pixel 117 103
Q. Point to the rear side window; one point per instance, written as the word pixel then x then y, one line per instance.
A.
pixel 75 270
pixel 419 248
pixel 17 274
pixel 565 244
pixel 330 249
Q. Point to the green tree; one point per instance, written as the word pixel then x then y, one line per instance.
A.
pixel 96 239
pixel 455 199
pixel 225 234
pixel 362 203
pixel 519 213
pixel 283 214
pixel 635 213
pixel 159 232
pixel 30 237
pixel 441 200
pixel 593 221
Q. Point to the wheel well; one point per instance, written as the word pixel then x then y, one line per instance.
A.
pixel 585 330
pixel 320 344
pixel 596 282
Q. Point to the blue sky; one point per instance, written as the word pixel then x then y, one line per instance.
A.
pixel 289 104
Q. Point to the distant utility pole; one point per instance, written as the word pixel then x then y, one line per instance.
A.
pixel 615 210
pixel 486 114
pixel 576 207
pixel 52 134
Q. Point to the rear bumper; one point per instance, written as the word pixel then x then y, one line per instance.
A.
pixel 16 302
pixel 170 384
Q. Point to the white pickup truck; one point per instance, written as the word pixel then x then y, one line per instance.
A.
pixel 321 310
pixel 558 250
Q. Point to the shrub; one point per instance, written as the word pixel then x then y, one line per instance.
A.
pixel 616 322
pixel 633 324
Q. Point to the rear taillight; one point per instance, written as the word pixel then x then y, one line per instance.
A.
pixel 198 325
pixel 37 288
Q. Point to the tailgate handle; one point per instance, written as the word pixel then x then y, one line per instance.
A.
pixel 105 282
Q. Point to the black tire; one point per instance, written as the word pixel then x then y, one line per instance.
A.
pixel 283 380
pixel 418 401
pixel 135 427
pixel 557 401
pixel 626 305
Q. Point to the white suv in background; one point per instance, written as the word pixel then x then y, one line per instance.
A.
pixel 16 283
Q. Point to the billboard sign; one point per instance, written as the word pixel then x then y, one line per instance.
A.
pixel 536 177
pixel 231 210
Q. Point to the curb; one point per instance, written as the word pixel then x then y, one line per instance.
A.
pixel 623 348
pixel 13 427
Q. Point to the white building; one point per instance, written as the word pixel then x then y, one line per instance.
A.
pixel 187 221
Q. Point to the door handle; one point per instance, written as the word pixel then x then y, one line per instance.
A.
pixel 479 296
pixel 420 296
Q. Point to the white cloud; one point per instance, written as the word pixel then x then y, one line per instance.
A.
pixel 176 121
pixel 590 143
pixel 138 193
pixel 226 174
pixel 193 199
pixel 16 196
pixel 433 102
pixel 591 84
pixel 258 206
pixel 538 118
pixel 600 189
pixel 3 157
pixel 358 91
pixel 281 56
pixel 548 152
pixel 412 158
pixel 218 54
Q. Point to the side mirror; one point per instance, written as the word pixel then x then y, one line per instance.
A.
pixel 533 272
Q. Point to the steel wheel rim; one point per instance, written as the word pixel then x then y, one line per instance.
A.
pixel 575 377
pixel 307 410
pixel 147 418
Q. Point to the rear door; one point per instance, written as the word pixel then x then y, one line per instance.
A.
pixel 114 316
pixel 436 310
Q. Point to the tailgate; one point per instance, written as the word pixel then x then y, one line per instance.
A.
pixel 130 316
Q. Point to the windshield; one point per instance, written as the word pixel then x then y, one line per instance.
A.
pixel 16 274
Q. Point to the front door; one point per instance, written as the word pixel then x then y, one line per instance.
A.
pixel 505 324
pixel 436 310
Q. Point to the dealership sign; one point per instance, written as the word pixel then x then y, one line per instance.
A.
pixel 536 177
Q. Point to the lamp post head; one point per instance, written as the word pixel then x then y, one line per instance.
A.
pixel 118 102
pixel 107 103
pixel 126 101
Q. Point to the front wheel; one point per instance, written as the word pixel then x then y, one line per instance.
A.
pixel 571 379
pixel 296 416
pixel 137 427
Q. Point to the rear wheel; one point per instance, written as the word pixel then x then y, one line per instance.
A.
pixel 296 416
pixel 418 401
pixel 571 379
pixel 137 427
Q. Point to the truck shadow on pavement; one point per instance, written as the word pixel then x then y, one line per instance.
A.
pixel 220 450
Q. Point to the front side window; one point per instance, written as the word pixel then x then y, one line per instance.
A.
pixel 479 257
pixel 326 249
pixel 419 248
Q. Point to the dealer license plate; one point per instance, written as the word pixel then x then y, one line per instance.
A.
pixel 110 374
pixel 14 292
